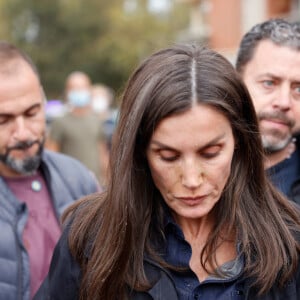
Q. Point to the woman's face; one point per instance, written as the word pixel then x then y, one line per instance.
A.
pixel 190 156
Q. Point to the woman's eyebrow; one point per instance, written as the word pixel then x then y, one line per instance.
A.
pixel 162 145
pixel 208 144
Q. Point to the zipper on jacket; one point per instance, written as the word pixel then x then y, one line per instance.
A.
pixel 20 288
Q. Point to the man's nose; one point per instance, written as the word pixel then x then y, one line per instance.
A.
pixel 283 99
pixel 20 131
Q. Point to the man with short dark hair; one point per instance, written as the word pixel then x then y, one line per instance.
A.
pixel 36 185
pixel 269 62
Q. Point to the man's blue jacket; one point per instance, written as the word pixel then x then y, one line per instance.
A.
pixel 67 180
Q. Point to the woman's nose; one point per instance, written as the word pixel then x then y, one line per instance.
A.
pixel 192 175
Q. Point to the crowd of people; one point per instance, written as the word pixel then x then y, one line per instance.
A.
pixel 190 191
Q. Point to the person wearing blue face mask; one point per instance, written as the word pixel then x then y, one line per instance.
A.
pixel 78 133
pixel 79 98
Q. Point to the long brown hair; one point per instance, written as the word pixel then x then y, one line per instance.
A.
pixel 112 232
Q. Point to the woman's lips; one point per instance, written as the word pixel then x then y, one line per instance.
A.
pixel 192 200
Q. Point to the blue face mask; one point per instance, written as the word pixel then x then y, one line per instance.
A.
pixel 79 98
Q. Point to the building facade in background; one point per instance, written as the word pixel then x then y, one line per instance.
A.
pixel 221 24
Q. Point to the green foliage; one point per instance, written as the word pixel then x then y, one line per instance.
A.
pixel 95 36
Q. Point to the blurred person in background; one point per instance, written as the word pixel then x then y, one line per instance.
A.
pixel 102 100
pixel 269 63
pixel 78 133
pixel 36 185
pixel 189 212
pixel 54 108
pixel 102 104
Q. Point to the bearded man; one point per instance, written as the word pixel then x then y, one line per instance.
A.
pixel 36 185
pixel 269 63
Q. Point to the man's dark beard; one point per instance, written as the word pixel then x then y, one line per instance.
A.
pixel 28 165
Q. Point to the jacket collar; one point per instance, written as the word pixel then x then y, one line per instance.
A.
pixel 163 286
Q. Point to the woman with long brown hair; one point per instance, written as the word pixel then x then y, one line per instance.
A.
pixel 188 212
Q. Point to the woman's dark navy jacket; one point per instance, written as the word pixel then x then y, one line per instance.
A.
pixel 64 276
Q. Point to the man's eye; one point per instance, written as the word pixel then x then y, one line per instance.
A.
pixel 268 83
pixel 297 89
pixel 32 112
pixel 4 120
